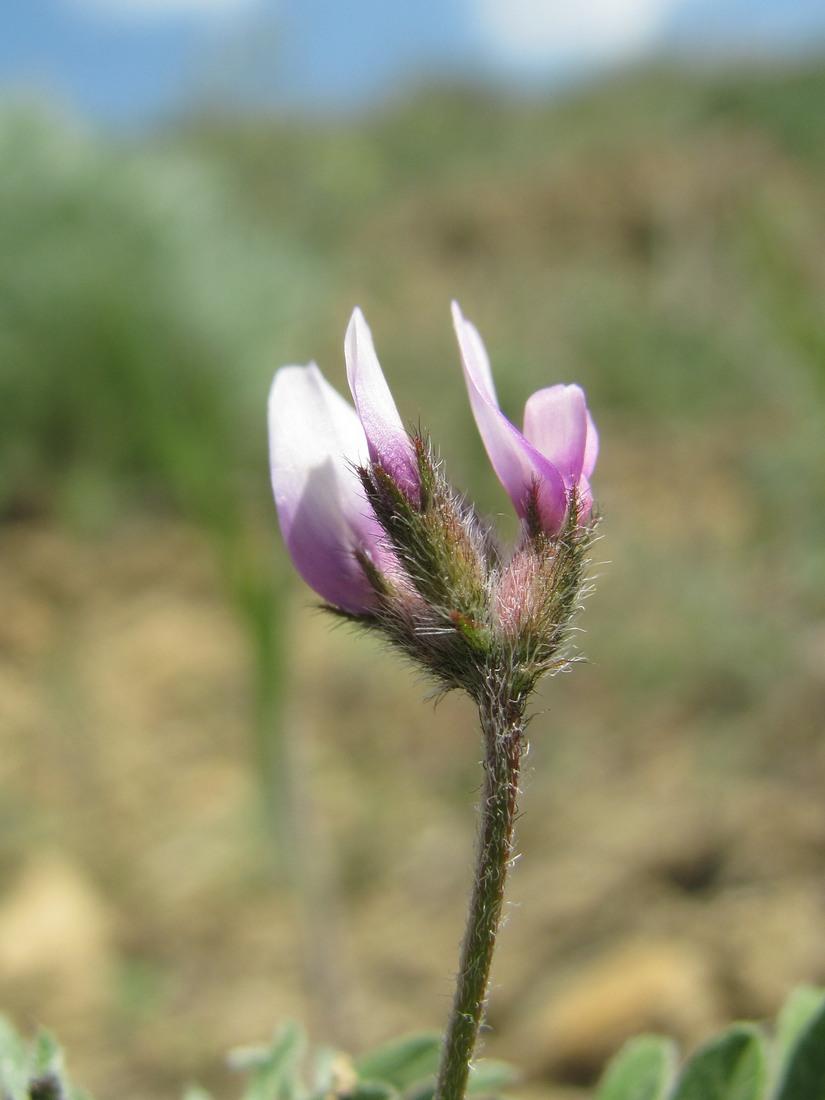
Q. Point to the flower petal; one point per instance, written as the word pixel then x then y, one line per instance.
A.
pixel 315 438
pixel 388 442
pixel 555 422
pixel 518 464
pixel 591 447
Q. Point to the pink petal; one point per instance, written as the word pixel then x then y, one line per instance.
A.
pixel 591 447
pixel 518 464
pixel 315 437
pixel 388 442
pixel 555 422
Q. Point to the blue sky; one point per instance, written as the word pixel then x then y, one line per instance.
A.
pixel 126 62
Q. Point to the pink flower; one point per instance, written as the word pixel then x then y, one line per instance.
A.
pixel 373 525
pixel 316 442
pixel 555 453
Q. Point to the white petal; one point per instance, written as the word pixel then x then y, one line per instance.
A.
pixel 315 438
pixel 389 443
pixel 555 422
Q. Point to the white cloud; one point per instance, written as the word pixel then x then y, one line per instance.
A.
pixel 153 11
pixel 542 32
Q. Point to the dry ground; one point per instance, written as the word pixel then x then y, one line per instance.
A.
pixel 668 878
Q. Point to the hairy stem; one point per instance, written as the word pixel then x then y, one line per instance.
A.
pixel 502 727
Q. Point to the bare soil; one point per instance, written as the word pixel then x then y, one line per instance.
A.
pixel 670 878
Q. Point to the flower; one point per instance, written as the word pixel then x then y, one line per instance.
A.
pixel 373 525
pixel 552 457
pixel 315 443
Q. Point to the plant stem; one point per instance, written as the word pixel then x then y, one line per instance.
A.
pixel 502 727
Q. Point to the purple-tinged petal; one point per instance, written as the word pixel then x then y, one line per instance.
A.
pixel 555 422
pixel 315 438
pixel 585 499
pixel 520 467
pixel 591 451
pixel 388 442
pixel 591 447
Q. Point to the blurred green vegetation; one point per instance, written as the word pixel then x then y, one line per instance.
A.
pixel 656 238
pixel 140 314
pixel 137 304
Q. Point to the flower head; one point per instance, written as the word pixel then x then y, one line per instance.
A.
pixel 374 527
pixel 553 456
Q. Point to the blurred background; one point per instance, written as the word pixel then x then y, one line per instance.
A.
pixel 216 812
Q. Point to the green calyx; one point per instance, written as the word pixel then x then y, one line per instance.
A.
pixel 455 605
